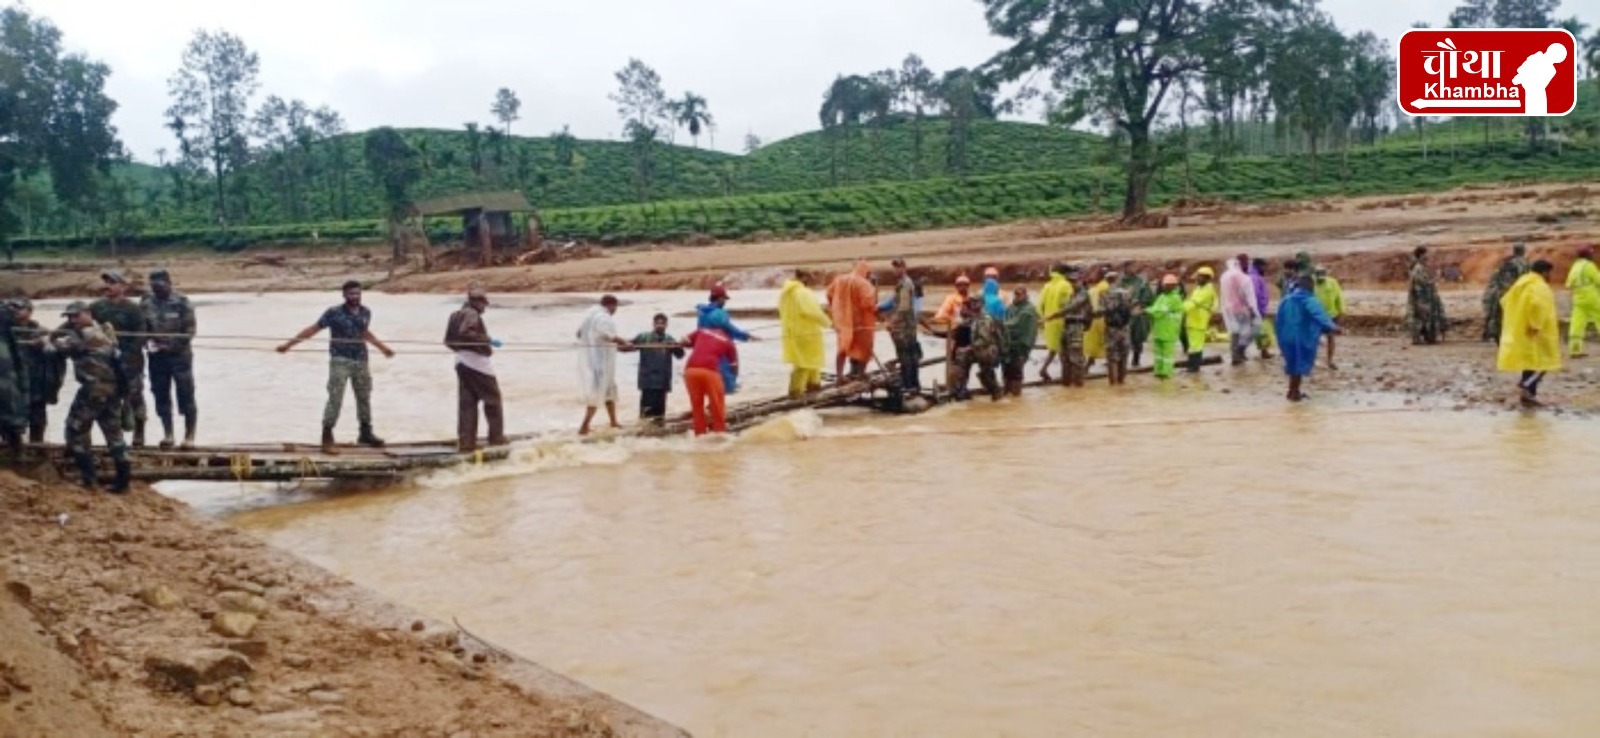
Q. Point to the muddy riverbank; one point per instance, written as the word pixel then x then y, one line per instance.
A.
pixel 133 616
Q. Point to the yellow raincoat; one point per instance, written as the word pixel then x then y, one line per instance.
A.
pixel 803 322
pixel 1331 295
pixel 1197 310
pixel 1052 298
pixel 1530 334
pixel 1584 281
pixel 1094 339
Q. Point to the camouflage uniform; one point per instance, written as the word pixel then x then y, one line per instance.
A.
pixel 1509 272
pixel 987 349
pixel 101 384
pixel 1139 331
pixel 172 359
pixel 128 320
pixel 1117 305
pixel 1424 310
pixel 46 372
pixel 1079 312
pixel 13 384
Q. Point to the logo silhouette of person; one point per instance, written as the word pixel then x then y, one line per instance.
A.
pixel 1535 74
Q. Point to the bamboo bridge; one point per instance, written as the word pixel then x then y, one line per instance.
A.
pixel 292 461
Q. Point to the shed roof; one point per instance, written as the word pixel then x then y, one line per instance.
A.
pixel 510 201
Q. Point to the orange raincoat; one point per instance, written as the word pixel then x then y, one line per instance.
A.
pixel 853 302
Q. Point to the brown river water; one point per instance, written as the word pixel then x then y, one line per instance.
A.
pixel 1154 561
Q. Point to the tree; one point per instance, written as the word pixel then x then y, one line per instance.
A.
pixel 1117 59
pixel 844 105
pixel 968 96
pixel 693 114
pixel 1524 13
pixel 751 143
pixel 395 166
pixel 643 107
pixel 1472 14
pixel 639 97
pixel 506 107
pixel 82 142
pixel 1592 54
pixel 1307 83
pixel 211 94
pixel 566 147
pixel 53 113
pixel 331 129
pixel 917 90
pixel 285 131
pixel 474 149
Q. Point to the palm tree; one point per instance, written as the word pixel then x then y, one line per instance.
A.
pixel 692 113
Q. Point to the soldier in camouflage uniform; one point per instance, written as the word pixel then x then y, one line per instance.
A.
pixel 125 315
pixel 1509 272
pixel 1143 294
pixel 46 371
pixel 1078 313
pixel 13 385
pixel 171 320
pixel 101 383
pixel 1424 310
pixel 985 351
pixel 1119 309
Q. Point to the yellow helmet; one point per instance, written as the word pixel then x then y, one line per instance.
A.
pixel 1205 271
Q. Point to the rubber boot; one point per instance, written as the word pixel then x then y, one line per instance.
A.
pixel 138 434
pixel 328 446
pixel 166 433
pixel 368 439
pixel 87 476
pixel 191 422
pixel 13 439
pixel 35 435
pixel 124 477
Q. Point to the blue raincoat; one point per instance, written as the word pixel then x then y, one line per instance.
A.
pixel 713 316
pixel 992 304
pixel 1300 325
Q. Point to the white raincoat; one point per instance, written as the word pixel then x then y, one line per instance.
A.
pixel 597 358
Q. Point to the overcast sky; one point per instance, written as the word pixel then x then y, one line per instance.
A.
pixel 762 64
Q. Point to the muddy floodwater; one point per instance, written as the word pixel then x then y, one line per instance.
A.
pixel 1156 561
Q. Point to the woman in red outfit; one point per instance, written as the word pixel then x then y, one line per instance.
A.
pixel 707 347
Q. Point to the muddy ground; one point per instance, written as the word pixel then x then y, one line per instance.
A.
pixel 133 616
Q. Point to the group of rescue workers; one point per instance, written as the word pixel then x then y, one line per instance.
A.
pixel 1084 313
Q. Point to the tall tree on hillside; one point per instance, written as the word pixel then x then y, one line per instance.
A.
pixel 640 98
pixel 918 91
pixel 1577 28
pixel 845 103
pixel 693 113
pixel 1117 59
pixel 1371 70
pixel 751 143
pixel 53 113
pixel 642 104
pixel 566 147
pixel 474 149
pixel 83 143
pixel 1592 54
pixel 211 94
pixel 331 129
pixel 396 168
pixel 285 131
pixel 496 139
pixel 1307 82
pixel 506 108
pixel 968 96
